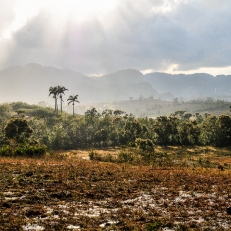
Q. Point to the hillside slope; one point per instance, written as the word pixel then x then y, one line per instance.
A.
pixel 31 84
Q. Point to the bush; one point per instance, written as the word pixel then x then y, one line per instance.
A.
pixel 125 157
pixel 23 150
pixel 155 225
pixel 17 129
pixel 146 149
pixel 93 155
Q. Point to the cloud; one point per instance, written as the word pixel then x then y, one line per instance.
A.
pixel 7 15
pixel 141 34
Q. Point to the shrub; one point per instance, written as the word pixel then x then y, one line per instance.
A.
pixel 93 155
pixel 23 150
pixel 155 225
pixel 146 148
pixel 125 157
pixel 17 129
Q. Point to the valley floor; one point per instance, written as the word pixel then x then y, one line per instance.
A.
pixel 72 193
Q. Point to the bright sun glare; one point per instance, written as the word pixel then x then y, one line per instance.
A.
pixel 75 10
pixel 81 10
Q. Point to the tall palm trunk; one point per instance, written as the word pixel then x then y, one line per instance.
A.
pixel 56 91
pixel 56 105
pixel 73 99
pixel 61 104
pixel 61 91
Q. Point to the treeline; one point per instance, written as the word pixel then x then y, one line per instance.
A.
pixel 115 128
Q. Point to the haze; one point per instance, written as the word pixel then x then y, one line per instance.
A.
pixel 101 37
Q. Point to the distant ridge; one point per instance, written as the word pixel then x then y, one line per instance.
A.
pixel 191 86
pixel 31 83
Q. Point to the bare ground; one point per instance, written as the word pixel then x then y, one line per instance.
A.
pixel 77 194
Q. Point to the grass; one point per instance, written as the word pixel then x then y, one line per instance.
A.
pixel 66 192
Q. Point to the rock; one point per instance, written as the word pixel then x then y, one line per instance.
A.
pixel 6 205
pixel 228 210
pixel 33 213
pixel 221 167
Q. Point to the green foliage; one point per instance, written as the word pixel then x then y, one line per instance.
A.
pixel 21 105
pixel 112 128
pixel 23 150
pixel 73 99
pixel 165 130
pixel 163 159
pixel 145 148
pixel 55 92
pixel 216 131
pixel 210 104
pixel 29 110
pixel 16 139
pixel 126 156
pixel 93 155
pixel 188 133
pixel 132 130
pixel 101 137
pixel 223 125
pixel 39 112
pixel 17 129
pixel 91 116
pixel 5 111
pixel 155 225
pixel 61 91
pixel 3 139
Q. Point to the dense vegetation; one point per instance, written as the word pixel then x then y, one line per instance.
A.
pixel 116 128
pixel 169 188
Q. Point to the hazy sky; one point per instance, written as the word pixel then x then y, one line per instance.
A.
pixel 98 37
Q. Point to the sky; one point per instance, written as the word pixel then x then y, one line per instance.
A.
pixel 96 37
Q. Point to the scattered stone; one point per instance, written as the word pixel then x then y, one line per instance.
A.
pixel 228 210
pixel 28 174
pixel 33 213
pixel 6 205
pixel 221 167
pixel 61 195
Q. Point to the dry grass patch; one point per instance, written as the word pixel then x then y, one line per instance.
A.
pixel 72 194
pixel 84 154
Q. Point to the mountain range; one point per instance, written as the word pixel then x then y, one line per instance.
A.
pixel 31 84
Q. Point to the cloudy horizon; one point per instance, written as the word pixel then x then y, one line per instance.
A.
pixel 101 37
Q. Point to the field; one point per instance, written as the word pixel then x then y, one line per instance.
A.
pixel 65 191
pixel 157 107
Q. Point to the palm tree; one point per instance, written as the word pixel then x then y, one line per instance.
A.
pixel 61 91
pixel 73 99
pixel 54 91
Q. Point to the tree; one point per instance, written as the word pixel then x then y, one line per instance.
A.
pixel 118 112
pixel 91 115
pixel 17 129
pixel 54 91
pixel 165 129
pixel 223 133
pixel 208 128
pixel 176 101
pixel 61 91
pixel 73 99
pixel 188 132
pixel 131 131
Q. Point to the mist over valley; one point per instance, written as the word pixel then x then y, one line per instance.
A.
pixel 126 89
